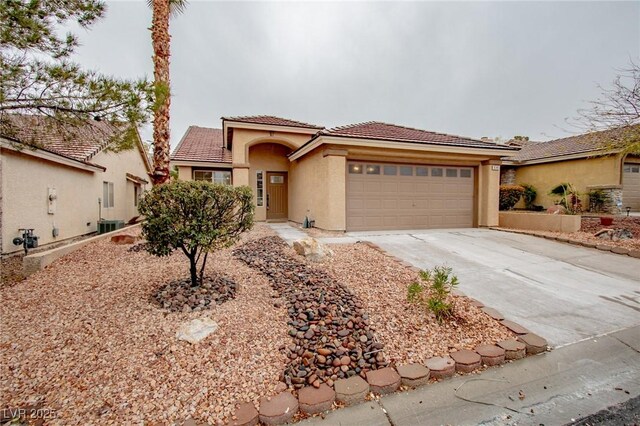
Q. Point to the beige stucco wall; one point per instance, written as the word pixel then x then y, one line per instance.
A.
pixel 488 190
pixel 243 139
pixel 25 183
pixel 582 173
pixel 317 190
pixel 185 173
pixel 267 157
pixel 540 221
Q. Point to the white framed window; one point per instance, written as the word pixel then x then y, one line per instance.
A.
pixel 259 188
pixel 107 194
pixel 215 176
pixel 137 193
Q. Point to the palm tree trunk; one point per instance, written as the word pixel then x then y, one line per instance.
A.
pixel 161 41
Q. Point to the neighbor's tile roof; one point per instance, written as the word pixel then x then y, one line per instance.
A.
pixel 78 142
pixel 273 121
pixel 392 132
pixel 202 144
pixel 580 144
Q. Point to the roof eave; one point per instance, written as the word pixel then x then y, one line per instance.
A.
pixel 52 156
pixel 320 139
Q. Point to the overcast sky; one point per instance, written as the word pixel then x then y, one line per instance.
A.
pixel 473 69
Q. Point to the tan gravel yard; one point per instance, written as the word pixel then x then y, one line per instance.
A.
pixel 83 337
pixel 407 331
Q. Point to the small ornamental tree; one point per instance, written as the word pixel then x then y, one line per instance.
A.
pixel 196 218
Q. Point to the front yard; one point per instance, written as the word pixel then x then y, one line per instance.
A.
pixel 86 339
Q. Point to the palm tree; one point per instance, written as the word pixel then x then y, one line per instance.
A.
pixel 161 40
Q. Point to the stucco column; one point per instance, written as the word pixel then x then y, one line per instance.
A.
pixel 335 217
pixel 489 183
pixel 240 174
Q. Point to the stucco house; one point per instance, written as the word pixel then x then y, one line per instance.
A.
pixel 586 161
pixel 64 187
pixel 365 176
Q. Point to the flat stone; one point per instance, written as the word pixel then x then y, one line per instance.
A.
pixel 413 375
pixel 476 303
pixel 493 313
pixel 620 250
pixel 634 253
pixel 441 368
pixel 603 247
pixel 195 330
pixel 516 328
pixel 466 360
pixel 384 380
pixel 351 390
pixel 513 349
pixel 189 422
pixel 279 409
pixel 534 343
pixel 588 244
pixel 245 415
pixel 491 354
pixel 313 401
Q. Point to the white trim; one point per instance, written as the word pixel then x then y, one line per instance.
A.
pixel 411 146
pixel 50 156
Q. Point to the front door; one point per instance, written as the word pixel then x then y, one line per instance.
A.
pixel 277 196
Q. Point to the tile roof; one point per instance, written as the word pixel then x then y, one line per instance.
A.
pixel 272 121
pixel 392 132
pixel 580 144
pixel 202 144
pixel 77 142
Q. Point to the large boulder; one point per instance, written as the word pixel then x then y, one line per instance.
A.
pixel 312 249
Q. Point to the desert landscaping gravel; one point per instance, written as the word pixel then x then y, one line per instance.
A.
pixel 409 334
pixel 86 340
pixel 83 338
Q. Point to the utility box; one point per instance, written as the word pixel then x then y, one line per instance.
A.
pixel 105 226
pixel 52 197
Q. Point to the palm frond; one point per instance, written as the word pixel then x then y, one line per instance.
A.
pixel 176 7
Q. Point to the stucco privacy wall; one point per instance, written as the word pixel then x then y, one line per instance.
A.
pixel 25 180
pixel 266 157
pixel 582 173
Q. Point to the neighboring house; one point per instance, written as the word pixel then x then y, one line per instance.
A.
pixel 63 188
pixel 366 176
pixel 586 161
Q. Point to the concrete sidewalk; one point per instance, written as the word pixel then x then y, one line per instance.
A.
pixel 558 387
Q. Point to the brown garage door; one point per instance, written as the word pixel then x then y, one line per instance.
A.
pixel 631 186
pixel 405 196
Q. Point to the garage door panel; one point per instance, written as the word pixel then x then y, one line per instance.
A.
pixel 631 186
pixel 424 197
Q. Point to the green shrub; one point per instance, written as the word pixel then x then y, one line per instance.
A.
pixel 529 195
pixel 433 291
pixel 568 197
pixel 196 218
pixel 597 200
pixel 510 195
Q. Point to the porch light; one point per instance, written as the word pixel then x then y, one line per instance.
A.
pixel 628 211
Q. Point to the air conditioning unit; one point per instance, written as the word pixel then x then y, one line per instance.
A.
pixel 105 226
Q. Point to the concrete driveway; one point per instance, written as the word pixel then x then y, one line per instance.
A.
pixel 562 292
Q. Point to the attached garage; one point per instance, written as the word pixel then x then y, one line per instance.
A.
pixel 631 186
pixel 389 196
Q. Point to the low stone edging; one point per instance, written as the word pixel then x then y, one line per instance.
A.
pixel 603 247
pixel 283 407
pixel 35 262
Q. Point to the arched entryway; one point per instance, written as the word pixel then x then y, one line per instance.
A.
pixel 269 179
